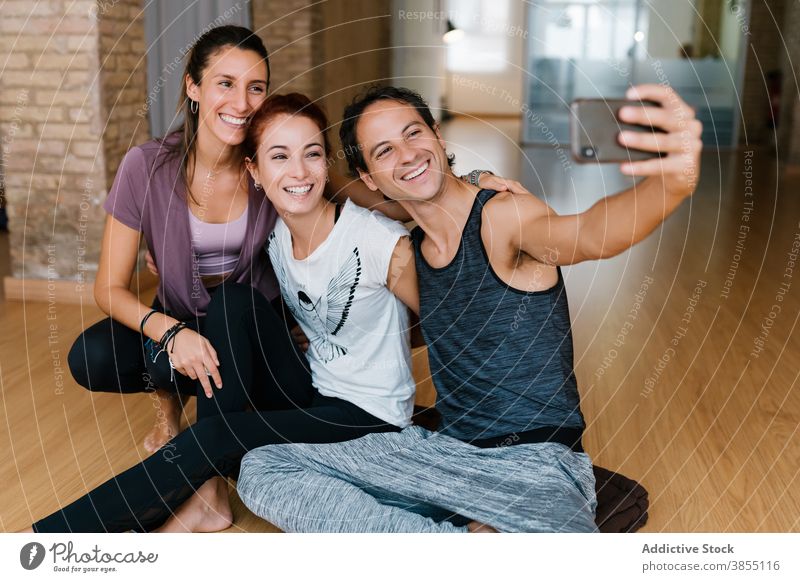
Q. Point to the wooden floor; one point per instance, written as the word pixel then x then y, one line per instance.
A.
pixel 673 392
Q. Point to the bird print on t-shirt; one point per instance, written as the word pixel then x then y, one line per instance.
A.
pixel 325 317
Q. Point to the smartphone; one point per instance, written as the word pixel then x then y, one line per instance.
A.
pixel 594 131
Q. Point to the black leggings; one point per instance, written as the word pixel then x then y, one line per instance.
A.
pixel 144 496
pixel 111 357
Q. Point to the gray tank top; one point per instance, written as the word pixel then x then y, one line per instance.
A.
pixel 501 359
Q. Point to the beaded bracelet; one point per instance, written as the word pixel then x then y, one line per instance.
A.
pixel 165 344
pixel 170 334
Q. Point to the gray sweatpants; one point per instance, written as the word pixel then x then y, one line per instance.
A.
pixel 417 481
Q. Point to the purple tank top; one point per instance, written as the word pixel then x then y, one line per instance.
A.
pixel 217 245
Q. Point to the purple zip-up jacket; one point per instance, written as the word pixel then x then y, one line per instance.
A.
pixel 149 195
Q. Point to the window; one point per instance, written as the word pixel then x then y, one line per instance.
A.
pixel 586 30
pixel 484 47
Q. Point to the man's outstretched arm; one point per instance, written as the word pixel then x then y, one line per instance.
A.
pixel 617 222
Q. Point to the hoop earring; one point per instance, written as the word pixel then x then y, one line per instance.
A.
pixel 194 106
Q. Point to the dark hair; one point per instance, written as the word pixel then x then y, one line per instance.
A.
pixel 207 45
pixel 294 104
pixel 374 94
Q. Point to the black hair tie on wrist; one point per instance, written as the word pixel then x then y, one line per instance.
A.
pixel 144 320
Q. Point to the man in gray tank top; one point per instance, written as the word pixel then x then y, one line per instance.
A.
pixel 494 314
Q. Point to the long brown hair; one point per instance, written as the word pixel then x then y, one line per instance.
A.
pixel 197 60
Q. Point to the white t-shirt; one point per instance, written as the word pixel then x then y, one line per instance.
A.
pixel 357 329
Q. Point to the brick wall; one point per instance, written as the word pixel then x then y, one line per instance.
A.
pixel 289 31
pixel 324 49
pixel 51 133
pixel 71 83
pixel 123 74
pixel 329 51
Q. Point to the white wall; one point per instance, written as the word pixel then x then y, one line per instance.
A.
pixel 419 54
pixel 480 93
pixel 671 25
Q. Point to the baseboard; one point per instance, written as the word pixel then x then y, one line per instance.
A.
pixel 67 292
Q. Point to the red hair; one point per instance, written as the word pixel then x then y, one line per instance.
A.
pixel 294 104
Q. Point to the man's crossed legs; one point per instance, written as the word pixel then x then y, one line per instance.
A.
pixel 419 481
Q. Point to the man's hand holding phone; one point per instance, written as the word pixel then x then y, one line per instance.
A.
pixel 651 133
pixel 680 143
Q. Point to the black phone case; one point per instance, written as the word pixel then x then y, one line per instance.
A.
pixel 594 129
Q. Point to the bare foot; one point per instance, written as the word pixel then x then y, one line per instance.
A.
pixel 208 510
pixel 478 527
pixel 168 407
